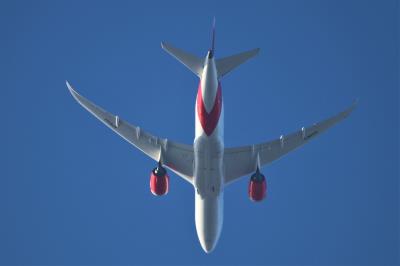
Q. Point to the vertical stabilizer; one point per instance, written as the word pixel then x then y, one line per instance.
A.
pixel 211 54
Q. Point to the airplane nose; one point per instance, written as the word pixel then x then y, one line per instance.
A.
pixel 208 245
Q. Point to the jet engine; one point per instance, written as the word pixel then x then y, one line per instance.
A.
pixel 159 181
pixel 257 186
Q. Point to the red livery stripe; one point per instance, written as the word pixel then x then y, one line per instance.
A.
pixel 209 121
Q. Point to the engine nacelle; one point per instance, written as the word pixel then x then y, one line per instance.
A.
pixel 257 187
pixel 159 181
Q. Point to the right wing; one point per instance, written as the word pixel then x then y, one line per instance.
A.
pixel 244 160
pixel 177 157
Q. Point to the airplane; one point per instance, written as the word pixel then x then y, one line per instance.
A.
pixel 207 164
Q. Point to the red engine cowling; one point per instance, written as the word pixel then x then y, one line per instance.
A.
pixel 159 181
pixel 257 187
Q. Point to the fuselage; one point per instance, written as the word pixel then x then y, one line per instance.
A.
pixel 208 157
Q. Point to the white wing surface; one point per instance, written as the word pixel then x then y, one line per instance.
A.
pixel 177 157
pixel 192 62
pixel 226 64
pixel 244 160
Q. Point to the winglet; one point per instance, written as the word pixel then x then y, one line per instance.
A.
pixel 352 107
pixel 68 85
pixel 73 92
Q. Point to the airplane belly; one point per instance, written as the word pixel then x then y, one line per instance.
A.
pixel 209 219
pixel 208 176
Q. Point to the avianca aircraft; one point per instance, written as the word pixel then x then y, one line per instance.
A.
pixel 207 164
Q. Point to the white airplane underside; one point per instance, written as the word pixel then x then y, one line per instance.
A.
pixel 207 164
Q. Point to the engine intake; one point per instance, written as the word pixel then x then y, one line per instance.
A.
pixel 159 181
pixel 257 186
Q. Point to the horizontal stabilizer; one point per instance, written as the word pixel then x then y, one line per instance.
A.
pixel 192 62
pixel 225 65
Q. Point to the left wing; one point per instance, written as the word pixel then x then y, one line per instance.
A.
pixel 244 160
pixel 177 157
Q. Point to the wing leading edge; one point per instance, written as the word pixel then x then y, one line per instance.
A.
pixel 243 160
pixel 177 157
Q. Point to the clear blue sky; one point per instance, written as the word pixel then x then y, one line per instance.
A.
pixel 72 192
